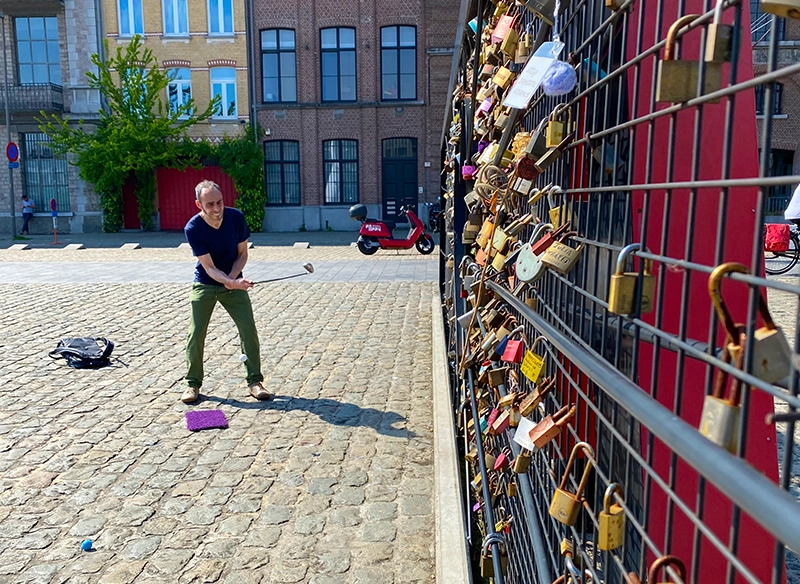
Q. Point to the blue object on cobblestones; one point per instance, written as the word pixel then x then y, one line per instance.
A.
pixel 86 545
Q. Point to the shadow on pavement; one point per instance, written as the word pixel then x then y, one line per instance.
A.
pixel 328 410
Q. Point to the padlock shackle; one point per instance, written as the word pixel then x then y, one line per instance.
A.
pixel 539 228
pixel 714 283
pixel 586 447
pixel 663 562
pixel 623 258
pixel 555 190
pixel 718 12
pixel 536 342
pixel 608 498
pixel 574 573
pixel 721 380
pixel 562 417
pixel 672 34
pixel 563 237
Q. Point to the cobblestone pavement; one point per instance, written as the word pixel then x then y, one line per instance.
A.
pixel 331 482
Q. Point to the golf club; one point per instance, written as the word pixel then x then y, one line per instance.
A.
pixel 309 269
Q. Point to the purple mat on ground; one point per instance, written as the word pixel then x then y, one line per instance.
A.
pixel 202 419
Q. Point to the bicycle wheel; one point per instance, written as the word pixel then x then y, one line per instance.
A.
pixel 781 262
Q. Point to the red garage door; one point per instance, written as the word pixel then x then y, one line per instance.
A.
pixel 176 193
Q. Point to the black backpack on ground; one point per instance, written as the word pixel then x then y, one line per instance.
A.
pixel 84 352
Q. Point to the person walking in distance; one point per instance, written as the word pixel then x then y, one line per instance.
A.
pixel 27 214
pixel 218 238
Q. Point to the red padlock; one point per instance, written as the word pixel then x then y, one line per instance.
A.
pixel 502 460
pixel 547 240
pixel 513 352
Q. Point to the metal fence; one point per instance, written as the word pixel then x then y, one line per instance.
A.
pixel 559 349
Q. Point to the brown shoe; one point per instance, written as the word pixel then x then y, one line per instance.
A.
pixel 190 395
pixel 258 391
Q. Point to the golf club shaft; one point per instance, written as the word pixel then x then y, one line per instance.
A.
pixel 281 278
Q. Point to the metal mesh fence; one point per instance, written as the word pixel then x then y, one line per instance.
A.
pixel 662 371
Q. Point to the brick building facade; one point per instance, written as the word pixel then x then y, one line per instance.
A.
pixel 785 143
pixel 49 44
pixel 350 101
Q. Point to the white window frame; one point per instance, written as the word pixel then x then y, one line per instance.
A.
pixel 176 15
pixel 221 18
pixel 225 82
pixel 131 18
pixel 181 86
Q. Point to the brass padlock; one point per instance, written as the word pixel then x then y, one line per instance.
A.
pixel 551 426
pixel 537 146
pixel 522 462
pixel 566 506
pixel 553 154
pixel 503 77
pixel 721 417
pixel 487 565
pixel 660 564
pixel 535 397
pixel 523 52
pixel 559 211
pixel 783 8
pixel 614 4
pixel 718 39
pixel 623 290
pixel 561 257
pixel 556 129
pixel 677 79
pixel 510 42
pixel 511 488
pixel 612 520
pixel 772 356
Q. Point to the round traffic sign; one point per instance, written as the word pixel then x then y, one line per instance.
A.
pixel 12 152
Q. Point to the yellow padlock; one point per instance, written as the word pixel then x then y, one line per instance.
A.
pixel 623 290
pixel 676 80
pixel 612 520
pixel 565 506
pixel 783 8
pixel 556 129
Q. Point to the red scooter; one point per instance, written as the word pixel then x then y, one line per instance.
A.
pixel 375 234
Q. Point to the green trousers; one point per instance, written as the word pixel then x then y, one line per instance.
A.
pixel 203 298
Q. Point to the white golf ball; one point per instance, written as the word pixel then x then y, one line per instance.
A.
pixel 243 358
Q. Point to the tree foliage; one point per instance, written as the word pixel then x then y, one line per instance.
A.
pixel 137 133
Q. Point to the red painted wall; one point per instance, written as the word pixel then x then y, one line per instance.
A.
pixel 756 547
pixel 176 193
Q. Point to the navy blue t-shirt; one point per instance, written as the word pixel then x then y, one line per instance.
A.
pixel 221 243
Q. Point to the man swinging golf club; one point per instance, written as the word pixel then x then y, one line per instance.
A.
pixel 218 238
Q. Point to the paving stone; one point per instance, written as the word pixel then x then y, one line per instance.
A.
pixel 275 515
pixel 203 571
pixel 122 572
pixel 416 506
pixel 349 496
pixel 87 526
pixel 202 514
pixel 321 486
pixel 346 516
pixel 337 562
pixel 141 549
pixel 309 524
pixel 168 562
pixel 379 531
pixel 224 547
pixel 380 511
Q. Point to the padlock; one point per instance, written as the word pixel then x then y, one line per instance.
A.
pixel 522 53
pixel 537 146
pixel 501 424
pixel 559 211
pixel 507 400
pixel 718 38
pixel 472 456
pixel 551 426
pixel 772 356
pixel 526 257
pixel 612 520
pixel 497 377
pixel 535 397
pixel 566 506
pixel 536 376
pixel 503 77
pixel 544 8
pixel 561 257
pixel 783 8
pixel 514 351
pixel 502 460
pixel 491 54
pixel 556 129
pixel 614 4
pixel 553 154
pixel 500 239
pixel 522 462
pixel 660 564
pixel 511 488
pixel 514 417
pixel 721 417
pixel 487 565
pixel 677 79
pixel 510 43
pixel 623 290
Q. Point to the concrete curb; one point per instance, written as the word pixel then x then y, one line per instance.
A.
pixel 451 547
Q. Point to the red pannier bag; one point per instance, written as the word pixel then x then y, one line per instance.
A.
pixel 777 239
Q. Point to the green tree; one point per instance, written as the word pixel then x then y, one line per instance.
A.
pixel 137 134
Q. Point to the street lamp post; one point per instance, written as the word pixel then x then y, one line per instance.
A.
pixel 8 125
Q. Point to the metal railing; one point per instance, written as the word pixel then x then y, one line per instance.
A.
pixel 674 178
pixel 33 98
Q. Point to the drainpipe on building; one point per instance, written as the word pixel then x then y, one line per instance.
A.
pixel 101 48
pixel 251 66
pixel 8 127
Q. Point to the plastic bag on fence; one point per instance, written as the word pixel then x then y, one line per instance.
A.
pixel 777 239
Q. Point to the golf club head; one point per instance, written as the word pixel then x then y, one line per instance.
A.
pixel 309 268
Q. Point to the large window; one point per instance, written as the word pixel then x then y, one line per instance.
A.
pixel 278 66
pixel 46 176
pixel 223 84
pixel 179 89
pixel 282 172
pixel 398 62
pixel 777 99
pixel 761 24
pixel 340 165
pixel 37 50
pixel 220 16
pixel 131 21
pixel 176 17
pixel 338 64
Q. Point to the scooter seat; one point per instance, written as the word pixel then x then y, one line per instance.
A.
pixel 391 225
